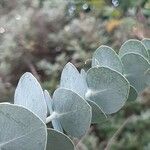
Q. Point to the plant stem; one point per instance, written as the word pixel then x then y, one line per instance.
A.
pixel 112 140
pixel 51 117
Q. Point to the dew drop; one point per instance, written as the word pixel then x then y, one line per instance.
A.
pixel 115 3
pixel 2 30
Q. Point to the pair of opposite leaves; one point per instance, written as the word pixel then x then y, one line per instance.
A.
pixel 104 85
pixel 132 62
pixel 23 127
pixel 135 56
pixel 105 88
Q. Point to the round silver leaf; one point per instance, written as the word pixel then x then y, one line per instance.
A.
pixel 74 112
pixel 72 79
pixel 30 95
pixel 107 88
pixel 105 56
pixel 98 115
pixel 133 46
pixel 136 68
pixel 20 129
pixel 58 141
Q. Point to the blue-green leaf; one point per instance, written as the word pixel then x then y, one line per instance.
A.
pixel 30 95
pixel 136 67
pixel 20 129
pixel 107 88
pixel 146 42
pixel 133 46
pixel 98 115
pixel 132 94
pixel 71 110
pixel 58 141
pixel 105 56
pixel 72 79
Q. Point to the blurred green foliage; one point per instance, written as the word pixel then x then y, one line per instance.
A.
pixel 41 36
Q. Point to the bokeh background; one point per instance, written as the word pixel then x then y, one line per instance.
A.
pixel 41 36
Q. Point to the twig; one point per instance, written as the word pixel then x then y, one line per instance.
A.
pixel 112 140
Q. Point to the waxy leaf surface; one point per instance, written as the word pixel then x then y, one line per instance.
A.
pixel 107 88
pixel 72 79
pixel 105 56
pixel 146 42
pixel 133 94
pixel 74 112
pixel 133 46
pixel 30 95
pixel 58 141
pixel 136 69
pixel 75 81
pixel 20 129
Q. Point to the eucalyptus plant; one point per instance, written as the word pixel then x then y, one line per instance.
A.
pixel 83 97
